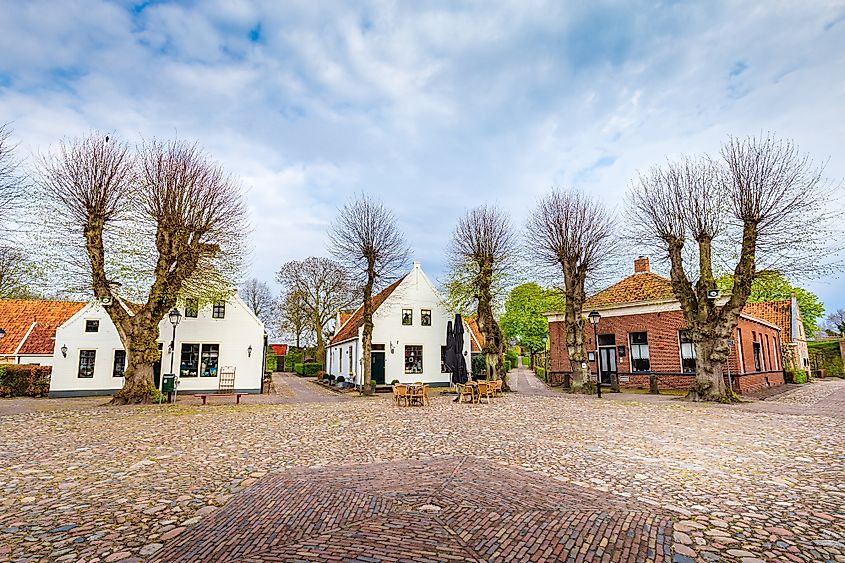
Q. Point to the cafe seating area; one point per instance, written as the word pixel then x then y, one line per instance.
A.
pixel 474 392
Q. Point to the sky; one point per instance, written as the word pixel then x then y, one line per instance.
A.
pixel 433 107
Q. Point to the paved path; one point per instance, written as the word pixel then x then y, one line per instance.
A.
pixel 448 508
pixel 523 381
pixel 820 397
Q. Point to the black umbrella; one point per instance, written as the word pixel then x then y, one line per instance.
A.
pixel 450 350
pixel 460 375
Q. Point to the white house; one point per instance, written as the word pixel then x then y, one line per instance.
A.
pixel 409 335
pixel 88 357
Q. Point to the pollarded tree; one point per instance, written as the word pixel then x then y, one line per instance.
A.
pixel 140 229
pixel 367 242
pixel 762 206
pixel 326 288
pixel 482 254
pixel 11 184
pixel 572 234
pixel 294 320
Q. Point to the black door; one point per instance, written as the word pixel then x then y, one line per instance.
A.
pixel 377 365
pixel 608 363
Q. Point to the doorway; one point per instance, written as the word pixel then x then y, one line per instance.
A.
pixel 377 367
pixel 607 355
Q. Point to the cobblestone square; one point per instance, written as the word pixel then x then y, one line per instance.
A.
pixel 532 476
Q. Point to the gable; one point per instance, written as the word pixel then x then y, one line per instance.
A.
pixel 350 329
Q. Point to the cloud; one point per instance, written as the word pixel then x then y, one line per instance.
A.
pixel 434 108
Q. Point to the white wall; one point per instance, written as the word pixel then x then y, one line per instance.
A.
pixel 416 293
pixel 35 359
pixel 234 333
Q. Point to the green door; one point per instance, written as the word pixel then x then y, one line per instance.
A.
pixel 377 364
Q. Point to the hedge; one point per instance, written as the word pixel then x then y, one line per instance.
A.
pixel 271 361
pixel 541 373
pixel 22 380
pixel 825 355
pixel 308 370
pixel 479 366
pixel 796 376
pixel 507 366
pixel 291 359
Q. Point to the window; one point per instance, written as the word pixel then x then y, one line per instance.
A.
pixel 92 326
pixel 119 365
pixel 413 359
pixel 208 360
pixel 192 307
pixel 189 364
pixel 739 354
pixel 219 310
pixel 86 363
pixel 757 357
pixel 443 368
pixel 340 360
pixel 687 352
pixel 425 317
pixel 607 340
pixel 350 360
pixel 639 352
pixel 407 317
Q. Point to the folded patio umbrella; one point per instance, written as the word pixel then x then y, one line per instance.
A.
pixel 460 374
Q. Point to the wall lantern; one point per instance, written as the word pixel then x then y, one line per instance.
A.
pixel 249 351
pixel 465 353
pixel 64 351
pixel 392 348
pixel 621 351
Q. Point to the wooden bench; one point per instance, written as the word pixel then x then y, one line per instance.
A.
pixel 205 396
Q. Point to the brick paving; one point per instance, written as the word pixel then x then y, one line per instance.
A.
pixel 524 381
pixel 432 510
pixel 103 484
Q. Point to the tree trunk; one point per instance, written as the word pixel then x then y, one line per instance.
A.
pixel 141 353
pixel 614 383
pixel 494 340
pixel 711 353
pixel 575 348
pixel 320 353
pixel 366 355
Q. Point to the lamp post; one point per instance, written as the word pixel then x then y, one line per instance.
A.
pixel 595 317
pixel 546 357
pixel 175 318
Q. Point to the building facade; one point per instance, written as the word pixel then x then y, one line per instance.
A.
pixel 787 315
pixel 29 329
pixel 642 333
pixel 409 335
pixel 211 340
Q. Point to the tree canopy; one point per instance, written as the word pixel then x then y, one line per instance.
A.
pixel 773 286
pixel 523 318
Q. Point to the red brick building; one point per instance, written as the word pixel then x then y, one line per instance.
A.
pixel 642 332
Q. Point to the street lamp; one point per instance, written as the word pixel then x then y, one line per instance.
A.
pixel 546 357
pixel 175 318
pixel 595 317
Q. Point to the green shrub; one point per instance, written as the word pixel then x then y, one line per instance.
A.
pixel 512 357
pixel 394 382
pixel 479 365
pixel 796 376
pixel 270 363
pixel 307 370
pixel 291 359
pixel 526 362
pixel 825 355
pixel 340 379
pixel 23 380
pixel 541 373
pixel 507 366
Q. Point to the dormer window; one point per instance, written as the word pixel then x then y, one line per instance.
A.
pixel 92 325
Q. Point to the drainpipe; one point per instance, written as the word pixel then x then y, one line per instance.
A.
pixel 263 365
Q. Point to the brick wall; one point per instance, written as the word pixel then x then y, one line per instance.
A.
pixel 664 350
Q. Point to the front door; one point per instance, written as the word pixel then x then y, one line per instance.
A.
pixel 608 363
pixel 377 365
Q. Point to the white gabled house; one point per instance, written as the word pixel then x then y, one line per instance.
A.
pixel 88 357
pixel 409 335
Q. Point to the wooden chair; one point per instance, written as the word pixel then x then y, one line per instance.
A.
pixel 417 395
pixel 484 391
pixel 425 394
pixel 465 391
pixel 496 387
pixel 400 393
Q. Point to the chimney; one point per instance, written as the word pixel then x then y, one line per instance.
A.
pixel 641 265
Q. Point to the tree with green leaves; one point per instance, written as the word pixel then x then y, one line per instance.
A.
pixel 773 286
pixel 750 208
pixel 523 319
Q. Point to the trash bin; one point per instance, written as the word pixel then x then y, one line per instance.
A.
pixel 168 384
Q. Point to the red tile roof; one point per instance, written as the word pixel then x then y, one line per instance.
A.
pixel 477 339
pixel 279 349
pixel 776 312
pixel 34 320
pixel 350 330
pixel 641 287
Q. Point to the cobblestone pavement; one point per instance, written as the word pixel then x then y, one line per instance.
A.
pixel 820 397
pixel 432 510
pixel 123 484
